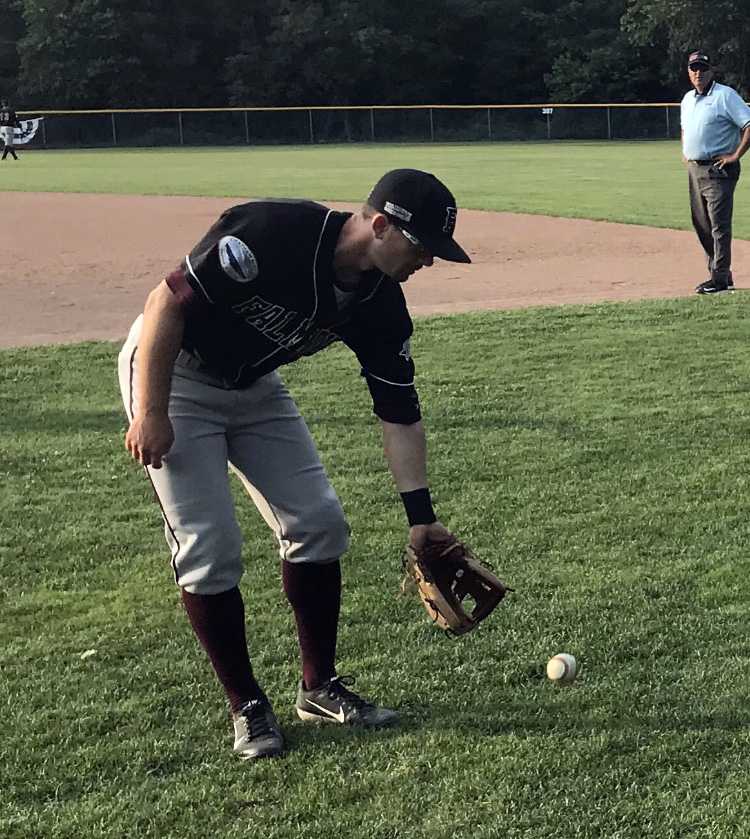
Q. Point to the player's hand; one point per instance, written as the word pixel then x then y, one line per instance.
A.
pixel 724 160
pixel 420 534
pixel 149 438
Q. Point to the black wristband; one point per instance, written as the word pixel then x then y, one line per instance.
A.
pixel 418 507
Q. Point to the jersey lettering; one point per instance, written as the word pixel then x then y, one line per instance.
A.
pixel 266 319
pixel 252 309
pixel 278 332
pixel 281 326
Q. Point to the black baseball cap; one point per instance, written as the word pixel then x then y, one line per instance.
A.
pixel 423 206
pixel 698 59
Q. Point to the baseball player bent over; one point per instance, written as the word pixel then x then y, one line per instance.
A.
pixel 270 282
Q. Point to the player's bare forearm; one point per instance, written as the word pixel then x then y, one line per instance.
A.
pixel 744 143
pixel 150 435
pixel 161 338
pixel 405 450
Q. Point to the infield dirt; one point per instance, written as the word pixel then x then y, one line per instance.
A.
pixel 78 267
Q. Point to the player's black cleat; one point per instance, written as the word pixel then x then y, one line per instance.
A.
pixel 714 287
pixel 334 702
pixel 256 731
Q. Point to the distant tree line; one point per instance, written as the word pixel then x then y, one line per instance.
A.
pixel 182 53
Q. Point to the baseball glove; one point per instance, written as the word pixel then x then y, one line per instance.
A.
pixel 455 588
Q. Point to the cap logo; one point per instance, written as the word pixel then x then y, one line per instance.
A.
pixel 450 220
pixel 395 210
pixel 237 260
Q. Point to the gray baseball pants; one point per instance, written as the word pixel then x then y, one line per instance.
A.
pixel 711 206
pixel 258 433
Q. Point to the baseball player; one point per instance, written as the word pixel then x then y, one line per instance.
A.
pixel 270 282
pixel 8 124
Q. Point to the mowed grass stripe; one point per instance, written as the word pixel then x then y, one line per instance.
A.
pixel 596 455
pixel 633 182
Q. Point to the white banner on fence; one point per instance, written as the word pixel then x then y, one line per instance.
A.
pixel 26 131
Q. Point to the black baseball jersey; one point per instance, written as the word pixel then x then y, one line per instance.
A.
pixel 258 292
pixel 8 117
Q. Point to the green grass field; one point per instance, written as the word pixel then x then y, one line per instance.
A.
pixel 597 455
pixel 634 182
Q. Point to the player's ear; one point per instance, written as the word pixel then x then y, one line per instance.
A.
pixel 380 225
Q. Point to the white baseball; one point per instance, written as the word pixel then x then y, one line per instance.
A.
pixel 562 668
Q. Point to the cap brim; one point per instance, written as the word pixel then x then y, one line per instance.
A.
pixel 447 249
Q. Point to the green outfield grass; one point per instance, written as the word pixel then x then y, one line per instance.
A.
pixel 634 182
pixel 597 455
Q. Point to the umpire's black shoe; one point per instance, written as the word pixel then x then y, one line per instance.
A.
pixel 714 287
pixel 256 731
pixel 334 702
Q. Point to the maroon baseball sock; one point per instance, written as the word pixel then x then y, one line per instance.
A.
pixel 219 622
pixel 314 592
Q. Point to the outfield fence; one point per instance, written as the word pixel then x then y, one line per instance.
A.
pixel 354 124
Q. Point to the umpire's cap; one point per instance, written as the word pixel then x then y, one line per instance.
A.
pixel 699 58
pixel 423 206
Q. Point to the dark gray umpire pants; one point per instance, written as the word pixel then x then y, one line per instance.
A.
pixel 711 205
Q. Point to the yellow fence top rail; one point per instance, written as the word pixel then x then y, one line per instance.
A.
pixel 535 106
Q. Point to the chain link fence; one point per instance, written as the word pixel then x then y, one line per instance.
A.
pixel 362 124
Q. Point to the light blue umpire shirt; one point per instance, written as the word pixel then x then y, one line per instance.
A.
pixel 712 122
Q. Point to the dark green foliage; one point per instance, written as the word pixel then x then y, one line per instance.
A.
pixel 593 60
pixel 11 29
pixel 118 53
pixel 721 27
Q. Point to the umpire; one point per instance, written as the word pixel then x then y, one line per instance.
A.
pixel 715 134
pixel 272 281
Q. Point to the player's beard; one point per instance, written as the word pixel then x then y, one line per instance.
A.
pixel 404 275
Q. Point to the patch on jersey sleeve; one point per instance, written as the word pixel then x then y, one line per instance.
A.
pixel 237 260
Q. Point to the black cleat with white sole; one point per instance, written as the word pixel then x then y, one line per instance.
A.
pixel 256 731
pixel 334 702
pixel 714 287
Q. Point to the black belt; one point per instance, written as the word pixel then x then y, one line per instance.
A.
pixel 206 374
pixel 703 162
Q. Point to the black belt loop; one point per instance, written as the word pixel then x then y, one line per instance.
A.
pixel 188 360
